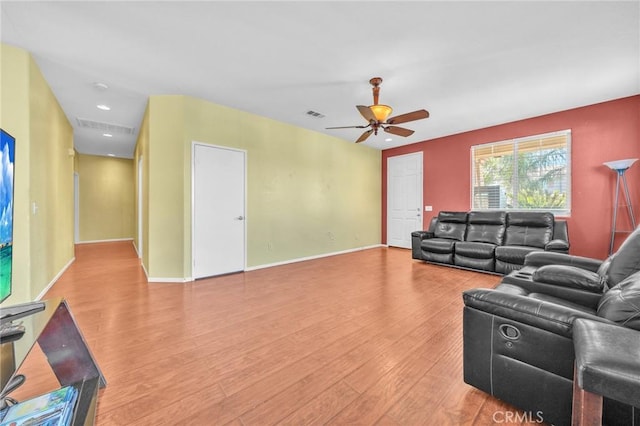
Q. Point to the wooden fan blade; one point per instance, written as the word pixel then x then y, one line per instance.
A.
pixel 400 131
pixel 410 116
pixel 349 127
pixel 364 136
pixel 366 112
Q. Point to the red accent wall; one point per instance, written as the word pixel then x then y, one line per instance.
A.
pixel 602 132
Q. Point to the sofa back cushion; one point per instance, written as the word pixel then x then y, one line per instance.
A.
pixel 626 260
pixel 451 225
pixel 486 227
pixel 622 303
pixel 533 229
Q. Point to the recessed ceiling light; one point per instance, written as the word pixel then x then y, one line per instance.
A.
pixel 107 135
pixel 100 86
pixel 388 140
pixel 111 155
pixel 104 107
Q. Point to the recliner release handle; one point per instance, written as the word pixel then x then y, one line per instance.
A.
pixel 509 332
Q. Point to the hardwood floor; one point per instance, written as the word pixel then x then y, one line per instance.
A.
pixel 370 337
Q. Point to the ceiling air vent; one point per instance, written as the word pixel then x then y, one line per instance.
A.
pixel 315 114
pixel 105 127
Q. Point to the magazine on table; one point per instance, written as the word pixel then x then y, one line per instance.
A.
pixel 51 409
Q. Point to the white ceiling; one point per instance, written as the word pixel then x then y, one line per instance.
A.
pixel 470 64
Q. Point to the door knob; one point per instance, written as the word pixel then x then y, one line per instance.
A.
pixel 240 218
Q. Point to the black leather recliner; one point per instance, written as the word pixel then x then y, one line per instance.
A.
pixel 439 245
pixel 527 232
pixel 518 337
pixel 485 231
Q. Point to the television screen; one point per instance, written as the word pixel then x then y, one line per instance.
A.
pixel 7 150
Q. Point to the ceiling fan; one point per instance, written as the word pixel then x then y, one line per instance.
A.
pixel 378 117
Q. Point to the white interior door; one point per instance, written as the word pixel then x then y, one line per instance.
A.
pixel 218 223
pixel 404 198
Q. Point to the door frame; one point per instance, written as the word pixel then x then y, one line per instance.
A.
pixel 389 188
pixel 193 200
pixel 76 207
pixel 140 203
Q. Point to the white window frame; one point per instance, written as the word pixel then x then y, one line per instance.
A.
pixel 516 142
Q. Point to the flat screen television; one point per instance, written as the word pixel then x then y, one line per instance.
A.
pixel 7 150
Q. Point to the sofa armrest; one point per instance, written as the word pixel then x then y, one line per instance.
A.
pixel 560 230
pixel 561 246
pixel 416 239
pixel 571 277
pixel 422 235
pixel 542 258
pixel 541 314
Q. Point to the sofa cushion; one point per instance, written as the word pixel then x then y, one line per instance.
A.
pixel 475 250
pixel 569 276
pixel 453 217
pixel 622 303
pixel 531 219
pixel 438 245
pixel 451 225
pixel 513 254
pixel 445 258
pixel 486 227
pixel 474 263
pixel 533 229
pixel 626 260
pixel 488 217
pixel 453 231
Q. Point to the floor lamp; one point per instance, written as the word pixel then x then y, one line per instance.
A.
pixel 621 166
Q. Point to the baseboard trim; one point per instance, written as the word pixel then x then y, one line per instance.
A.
pixel 319 256
pixel 104 241
pixel 55 279
pixel 135 246
pixel 146 275
pixel 264 266
pixel 151 280
pixel 161 280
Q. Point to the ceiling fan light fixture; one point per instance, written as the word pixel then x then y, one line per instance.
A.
pixel 382 112
pixel 377 117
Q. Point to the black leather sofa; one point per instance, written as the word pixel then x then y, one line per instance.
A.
pixel 517 338
pixel 489 241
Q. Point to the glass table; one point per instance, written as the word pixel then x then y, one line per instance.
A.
pixel 56 332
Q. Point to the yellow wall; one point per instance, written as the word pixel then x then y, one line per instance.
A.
pixel 106 198
pixel 166 195
pixel 307 193
pixel 43 238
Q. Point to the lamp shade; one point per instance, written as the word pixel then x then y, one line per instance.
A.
pixel 381 112
pixel 620 164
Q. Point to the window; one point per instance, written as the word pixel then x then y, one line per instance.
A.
pixel 531 173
